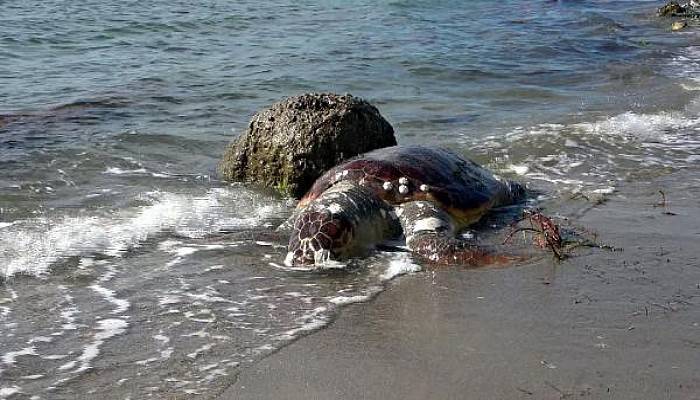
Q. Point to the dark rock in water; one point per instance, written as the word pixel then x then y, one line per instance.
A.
pixel 671 9
pixel 690 9
pixel 289 145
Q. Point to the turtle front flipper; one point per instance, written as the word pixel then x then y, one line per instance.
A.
pixel 430 235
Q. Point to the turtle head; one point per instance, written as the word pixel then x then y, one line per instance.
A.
pixel 344 221
pixel 318 235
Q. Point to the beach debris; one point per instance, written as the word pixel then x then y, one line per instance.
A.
pixel 562 394
pixel 663 203
pixel 597 198
pixel 548 364
pixel 546 234
pixel 527 392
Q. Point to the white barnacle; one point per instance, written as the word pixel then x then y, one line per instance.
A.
pixel 468 235
pixel 388 186
pixel 335 208
pixel 345 172
pixel 338 176
pixel 429 224
pixel 424 188
pixel 403 181
pixel 403 189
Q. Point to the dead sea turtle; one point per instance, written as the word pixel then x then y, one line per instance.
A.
pixel 426 194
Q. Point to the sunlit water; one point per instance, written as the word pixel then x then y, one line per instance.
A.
pixel 129 270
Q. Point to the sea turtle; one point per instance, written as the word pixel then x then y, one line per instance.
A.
pixel 427 194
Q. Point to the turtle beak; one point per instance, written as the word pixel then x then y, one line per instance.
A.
pixel 289 260
pixel 306 255
pixel 307 261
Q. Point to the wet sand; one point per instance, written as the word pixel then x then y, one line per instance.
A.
pixel 601 325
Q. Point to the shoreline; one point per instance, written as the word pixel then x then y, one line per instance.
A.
pixel 619 325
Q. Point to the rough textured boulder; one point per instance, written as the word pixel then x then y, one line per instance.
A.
pixel 689 9
pixel 670 9
pixel 293 142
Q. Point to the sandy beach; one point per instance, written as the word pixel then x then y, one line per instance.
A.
pixel 613 325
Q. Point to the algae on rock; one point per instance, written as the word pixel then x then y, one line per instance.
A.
pixel 690 9
pixel 290 144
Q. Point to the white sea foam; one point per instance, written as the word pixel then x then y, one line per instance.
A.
pixel 32 246
pixel 121 304
pixel 10 357
pixel 68 316
pixel 169 299
pixel 644 127
pixel 210 295
pixel 120 171
pixel 107 328
pixel 590 156
pixel 344 300
pixel 400 264
pixel 605 190
pixel 7 391
pixel 201 316
pixel 31 377
pixel 519 169
pixel 687 65
pixel 312 320
pixel 203 349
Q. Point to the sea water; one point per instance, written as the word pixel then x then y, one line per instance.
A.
pixel 129 270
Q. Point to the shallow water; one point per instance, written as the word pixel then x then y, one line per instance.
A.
pixel 115 232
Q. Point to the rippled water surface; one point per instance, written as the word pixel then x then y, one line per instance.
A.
pixel 129 270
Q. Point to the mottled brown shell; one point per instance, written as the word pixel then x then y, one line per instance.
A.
pixel 460 186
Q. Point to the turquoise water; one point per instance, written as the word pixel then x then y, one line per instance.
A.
pixel 115 232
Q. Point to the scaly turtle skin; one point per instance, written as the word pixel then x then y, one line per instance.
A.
pixel 428 194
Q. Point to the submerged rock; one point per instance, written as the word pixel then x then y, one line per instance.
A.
pixel 289 145
pixel 678 25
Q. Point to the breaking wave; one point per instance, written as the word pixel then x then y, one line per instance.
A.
pixel 32 246
pixel 596 156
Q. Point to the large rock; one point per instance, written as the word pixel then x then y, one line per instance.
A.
pixel 293 142
pixel 690 9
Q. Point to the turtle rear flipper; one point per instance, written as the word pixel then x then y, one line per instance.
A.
pixel 430 235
